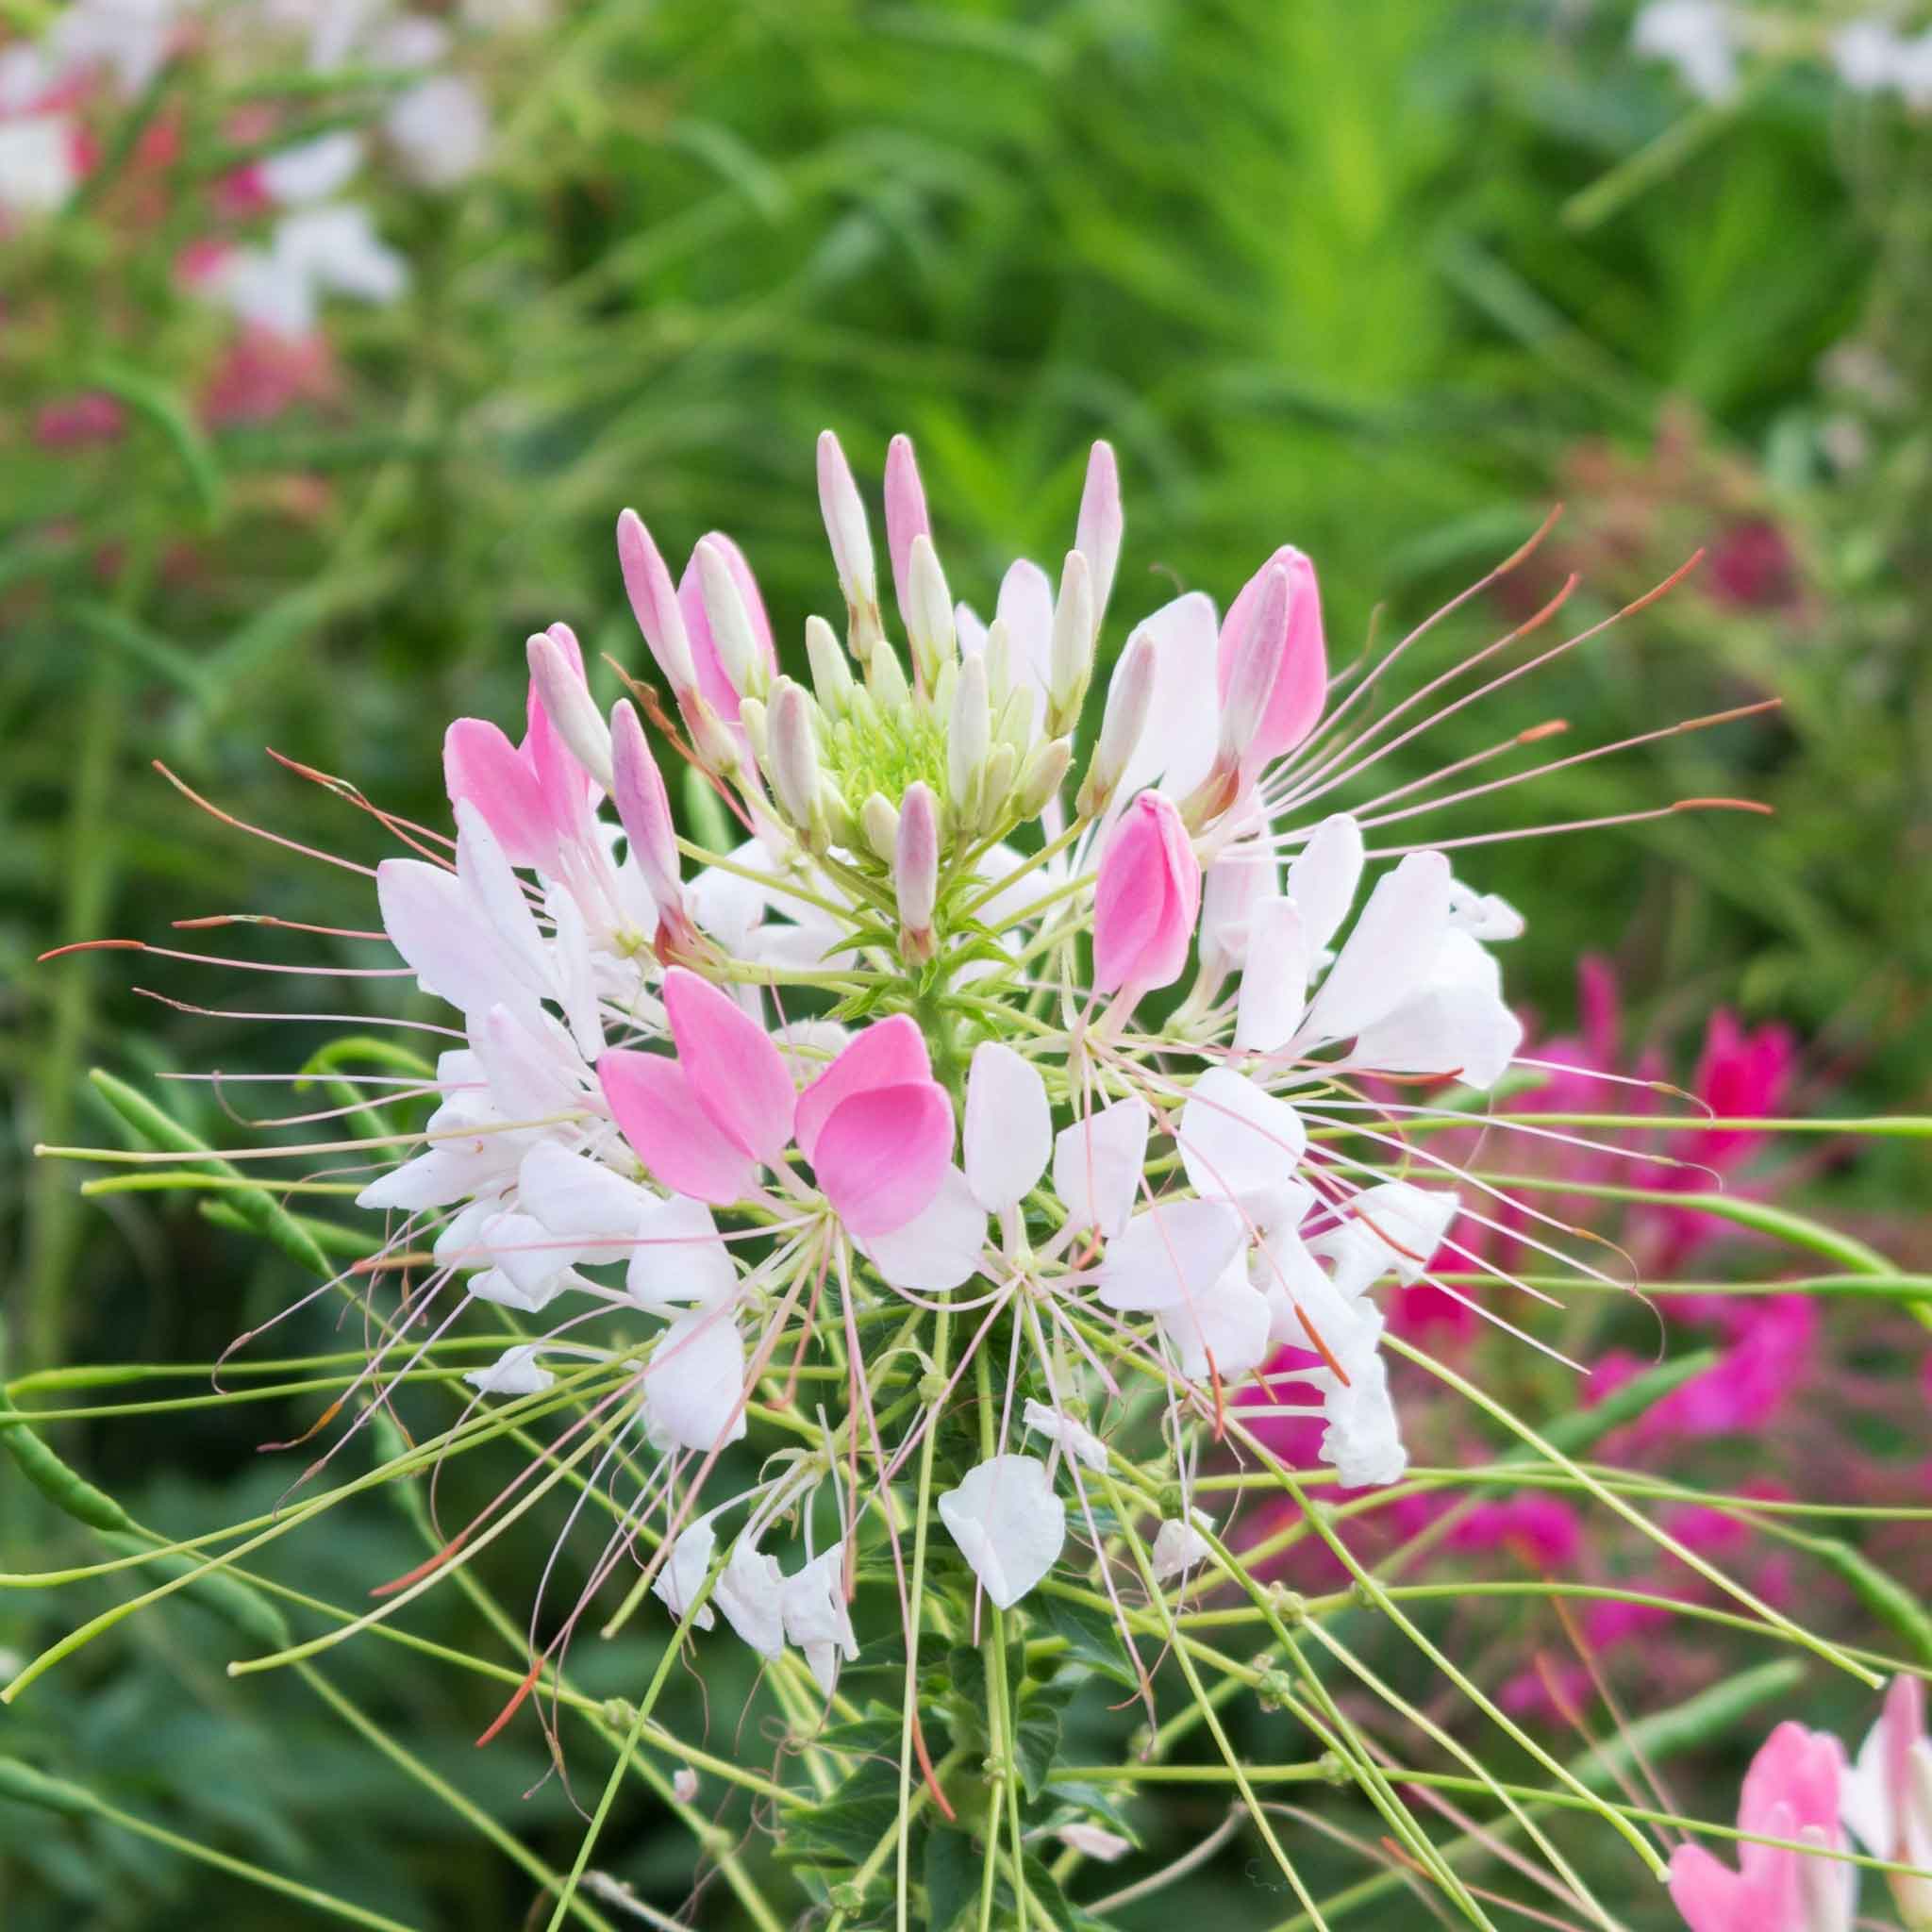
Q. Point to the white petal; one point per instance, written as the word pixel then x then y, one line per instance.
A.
pixel 528 1256
pixel 937 1250
pixel 728 906
pixel 495 1286
pixel 679 1257
pixel 1076 1439
pixel 532 1067
pixel 1392 1228
pixel 515 1372
pixel 1237 1141
pixel 1236 883
pixel 1274 982
pixel 749 1593
pixel 1008 1522
pixel 812 1603
pixel 695 1382
pixel 1390 953
pixel 1483 915
pixel 498 894
pixel 1322 878
pixel 574 1195
pixel 1168 1252
pixel 1180 1546
pixel 433 921
pixel 458 1244
pixel 1026 607
pixel 312 170
pixel 1184 721
pixel 1097 1164
pixel 1363 1440
pixel 1008 1126
pixel 685 1570
pixel 575 975
pixel 1224 1331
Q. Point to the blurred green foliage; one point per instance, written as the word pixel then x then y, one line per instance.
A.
pixel 1382 280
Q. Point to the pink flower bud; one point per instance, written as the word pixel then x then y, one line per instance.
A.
pixel 905 516
pixel 792 761
pixel 644 808
pixel 654 603
pixel 916 864
pixel 557 675
pixel 726 667
pixel 844 509
pixel 1145 899
pixel 1301 686
pixel 1259 656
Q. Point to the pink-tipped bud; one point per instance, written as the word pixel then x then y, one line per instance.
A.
pixel 645 808
pixel 1097 536
pixel 905 517
pixel 740 655
pixel 927 608
pixel 843 510
pixel 1301 686
pixel 1070 656
pixel 556 670
pixel 1145 899
pixel 916 869
pixel 792 761
pixel 1260 653
pixel 969 733
pixel 1129 698
pixel 654 603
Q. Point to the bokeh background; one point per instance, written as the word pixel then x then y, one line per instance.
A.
pixel 1386 280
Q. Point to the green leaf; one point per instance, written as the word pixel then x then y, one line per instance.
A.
pixel 951 1878
pixel 1036 1745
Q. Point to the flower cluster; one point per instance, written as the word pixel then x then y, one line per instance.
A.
pixel 1705 41
pixel 960 1144
pixel 272 225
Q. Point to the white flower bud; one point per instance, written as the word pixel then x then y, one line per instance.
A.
pixel 1069 662
pixel 1129 698
pixel 995 786
pixel 851 539
pixel 753 721
pixel 831 675
pixel 1097 536
pixel 738 649
pixel 1041 777
pixel 885 678
pixel 998 653
pixel 566 699
pixel 792 761
pixel 929 612
pixel 878 823
pixel 916 869
pixel 969 733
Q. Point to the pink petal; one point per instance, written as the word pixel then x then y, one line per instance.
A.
pixel 654 603
pixel 717 688
pixel 1709 1894
pixel 736 1072
pixel 889 1054
pixel 658 1114
pixel 481 765
pixel 883 1154
pixel 1301 689
pixel 1798 1768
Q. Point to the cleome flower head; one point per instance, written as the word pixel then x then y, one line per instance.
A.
pixel 998 1128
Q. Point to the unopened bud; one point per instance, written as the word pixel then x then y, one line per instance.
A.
pixel 566 699
pixel 1257 657
pixel 653 604
pixel 1069 663
pixel 684 1784
pixel 792 761
pixel 831 675
pixel 999 661
pixel 969 733
pixel 905 517
pixel 644 807
pixel 996 783
pixel 878 825
pixel 731 632
pixel 1097 536
pixel 916 869
pixel 1041 779
pixel 928 612
pixel 851 539
pixel 754 722
pixel 885 678
pixel 1129 698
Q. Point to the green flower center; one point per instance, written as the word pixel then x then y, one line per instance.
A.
pixel 866 751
